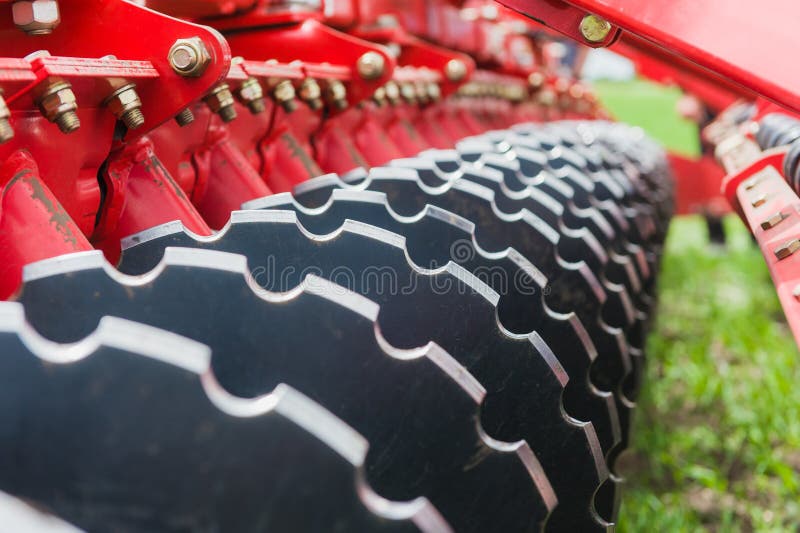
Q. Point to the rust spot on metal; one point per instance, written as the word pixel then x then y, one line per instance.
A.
pixel 60 218
pixel 157 168
pixel 298 152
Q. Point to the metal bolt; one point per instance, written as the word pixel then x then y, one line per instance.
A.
pixel 252 95
pixel 379 96
pixel 752 182
pixel 189 57
pixel 759 201
pixel 36 17
pixel 336 94
pixel 6 131
pixel 455 70
pixel 434 91
pixel 774 220
pixel 392 93
pixel 421 89
pixel 58 104
pixel 787 249
pixel 126 106
pixel 536 80
pixel 311 93
pixel 283 92
pixel 370 65
pixel 221 102
pixel 185 117
pixel 408 92
pixel 595 29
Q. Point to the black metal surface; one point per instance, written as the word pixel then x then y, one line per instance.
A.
pixel 438 237
pixel 321 340
pixel 126 432
pixel 523 380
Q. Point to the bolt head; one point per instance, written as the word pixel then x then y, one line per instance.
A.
pixel 595 29
pixel 251 91
pixel 189 57
pixel 774 220
pixel 36 17
pixel 370 65
pixel 787 249
pixel 455 70
pixel 220 99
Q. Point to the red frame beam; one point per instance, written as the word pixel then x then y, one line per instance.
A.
pixel 746 42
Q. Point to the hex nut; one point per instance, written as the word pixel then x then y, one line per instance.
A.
pixel 36 17
pixel 311 93
pixel 125 104
pixel 336 94
pixel 58 104
pixel 283 92
pixel 252 95
pixel 6 131
pixel 220 100
pixel 189 57
pixel 594 29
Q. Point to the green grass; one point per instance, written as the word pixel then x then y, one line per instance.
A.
pixel 652 107
pixel 717 435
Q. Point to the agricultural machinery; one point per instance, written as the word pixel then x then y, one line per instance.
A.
pixel 354 265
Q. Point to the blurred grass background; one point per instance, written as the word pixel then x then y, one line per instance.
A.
pixel 716 441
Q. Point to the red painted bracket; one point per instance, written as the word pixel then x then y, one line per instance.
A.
pixel 115 28
pixel 772 211
pixel 743 41
pixel 564 18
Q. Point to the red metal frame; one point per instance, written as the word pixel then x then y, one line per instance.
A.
pixel 741 41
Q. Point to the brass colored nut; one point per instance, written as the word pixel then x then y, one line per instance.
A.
pixel 221 102
pixel 759 200
pixel 252 95
pixel 36 17
pixel 751 183
pixel 455 70
pixel 787 249
pixel 284 94
pixel 434 91
pixel 774 220
pixel 379 96
pixel 392 92
pixel 6 131
pixel 311 93
pixel 58 104
pixel 536 80
pixel 126 106
pixel 421 89
pixel 185 117
pixel 408 92
pixel 336 94
pixel 189 57
pixel 594 29
pixel 370 65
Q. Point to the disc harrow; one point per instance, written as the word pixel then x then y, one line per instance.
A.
pixel 156 400
pixel 204 332
pixel 427 444
pixel 524 381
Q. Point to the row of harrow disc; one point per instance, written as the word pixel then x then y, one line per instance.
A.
pixel 450 342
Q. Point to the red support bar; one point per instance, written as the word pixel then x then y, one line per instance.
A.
pixel 743 41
